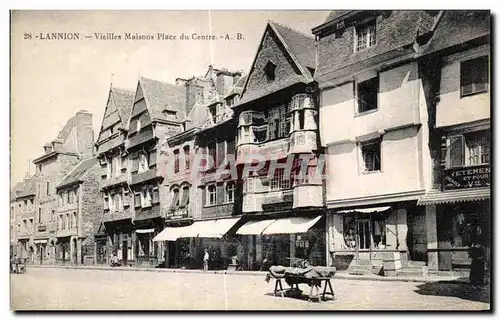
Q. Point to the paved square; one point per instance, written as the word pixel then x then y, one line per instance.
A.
pixel 72 289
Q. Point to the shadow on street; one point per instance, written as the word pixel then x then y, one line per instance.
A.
pixel 459 290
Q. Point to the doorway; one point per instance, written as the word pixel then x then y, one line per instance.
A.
pixel 417 236
pixel 125 252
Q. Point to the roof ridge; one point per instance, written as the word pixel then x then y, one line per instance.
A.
pixel 122 89
pixel 292 29
pixel 75 167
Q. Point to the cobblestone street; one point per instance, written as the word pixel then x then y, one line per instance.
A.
pixel 70 289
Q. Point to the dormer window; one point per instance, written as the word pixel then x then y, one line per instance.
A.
pixel 365 36
pixel 270 69
pixel 170 115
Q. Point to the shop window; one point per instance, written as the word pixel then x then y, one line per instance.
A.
pixel 364 231
pixel 474 76
pixel 230 188
pixel 379 226
pixel 212 194
pixel 370 152
pixel 367 95
pixel 469 149
pixel 365 36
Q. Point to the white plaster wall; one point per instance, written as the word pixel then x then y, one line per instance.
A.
pixel 453 109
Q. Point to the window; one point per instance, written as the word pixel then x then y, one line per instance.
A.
pixel 53 216
pixel 61 199
pixel 143 163
pixel 39 215
pixel 47 185
pixel 280 181
pixel 230 102
pixel 68 221
pixel 364 238
pixel 469 149
pixel 230 188
pixel 73 218
pixel 111 202
pixel 301 119
pixel 365 36
pixel 138 127
pixel 187 160
pixel 278 123
pixel 152 159
pixel 60 222
pixel 117 165
pixel 176 160
pixel 118 202
pixel 212 194
pixel 270 70
pixel 212 151
pixel 367 92
pixel 71 196
pixel 31 224
pixel 474 76
pixel 250 184
pixel 146 198
pixel 39 168
pixel 370 152
pixel 185 197
pixel 109 168
pixel 174 204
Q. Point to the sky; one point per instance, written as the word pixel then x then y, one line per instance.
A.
pixel 51 80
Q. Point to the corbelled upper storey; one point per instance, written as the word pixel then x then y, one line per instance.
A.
pixel 349 42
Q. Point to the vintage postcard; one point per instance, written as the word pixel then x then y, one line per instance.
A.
pixel 250 160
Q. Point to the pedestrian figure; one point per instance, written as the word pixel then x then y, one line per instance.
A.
pixel 476 275
pixel 206 257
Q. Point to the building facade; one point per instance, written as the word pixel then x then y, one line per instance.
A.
pixel 378 155
pixel 157 112
pixel 118 211
pixel 457 206
pixel 78 214
pixel 278 126
pixel 74 143
pixel 22 219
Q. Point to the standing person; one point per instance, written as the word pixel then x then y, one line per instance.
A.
pixel 206 257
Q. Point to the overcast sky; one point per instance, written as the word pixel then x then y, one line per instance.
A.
pixel 52 80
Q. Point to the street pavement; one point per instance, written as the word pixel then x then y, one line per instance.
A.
pixel 79 289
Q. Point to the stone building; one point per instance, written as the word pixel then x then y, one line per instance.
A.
pixel 118 210
pixel 157 112
pixel 22 217
pixel 193 218
pixel 277 132
pixel 74 143
pixel 78 214
pixel 457 206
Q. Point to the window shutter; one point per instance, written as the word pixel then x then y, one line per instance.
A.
pixel 445 151
pixel 456 151
pixel 137 200
pixel 126 198
pixel 156 195
pixel 152 158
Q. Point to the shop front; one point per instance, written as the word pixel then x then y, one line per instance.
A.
pixel 283 241
pixel 120 234
pixel 385 237
pixel 185 245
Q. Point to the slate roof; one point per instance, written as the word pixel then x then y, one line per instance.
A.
pixel 162 96
pixel 399 34
pixel 238 87
pixel 123 99
pixel 78 172
pixel 300 47
pixel 28 188
pixel 458 26
pixel 336 14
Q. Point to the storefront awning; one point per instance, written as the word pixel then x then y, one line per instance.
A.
pixel 454 196
pixel 291 225
pixel 214 228
pixel 254 227
pixel 174 233
pixel 145 230
pixel 203 229
pixel 366 210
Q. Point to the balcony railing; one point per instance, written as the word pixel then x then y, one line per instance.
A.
pixel 106 183
pixel 145 176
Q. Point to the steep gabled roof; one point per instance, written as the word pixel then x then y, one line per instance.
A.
pixel 77 174
pixel 456 27
pixel 161 96
pixel 335 14
pixel 299 47
pixel 28 188
pixel 123 100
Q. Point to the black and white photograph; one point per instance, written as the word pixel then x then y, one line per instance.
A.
pixel 245 160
